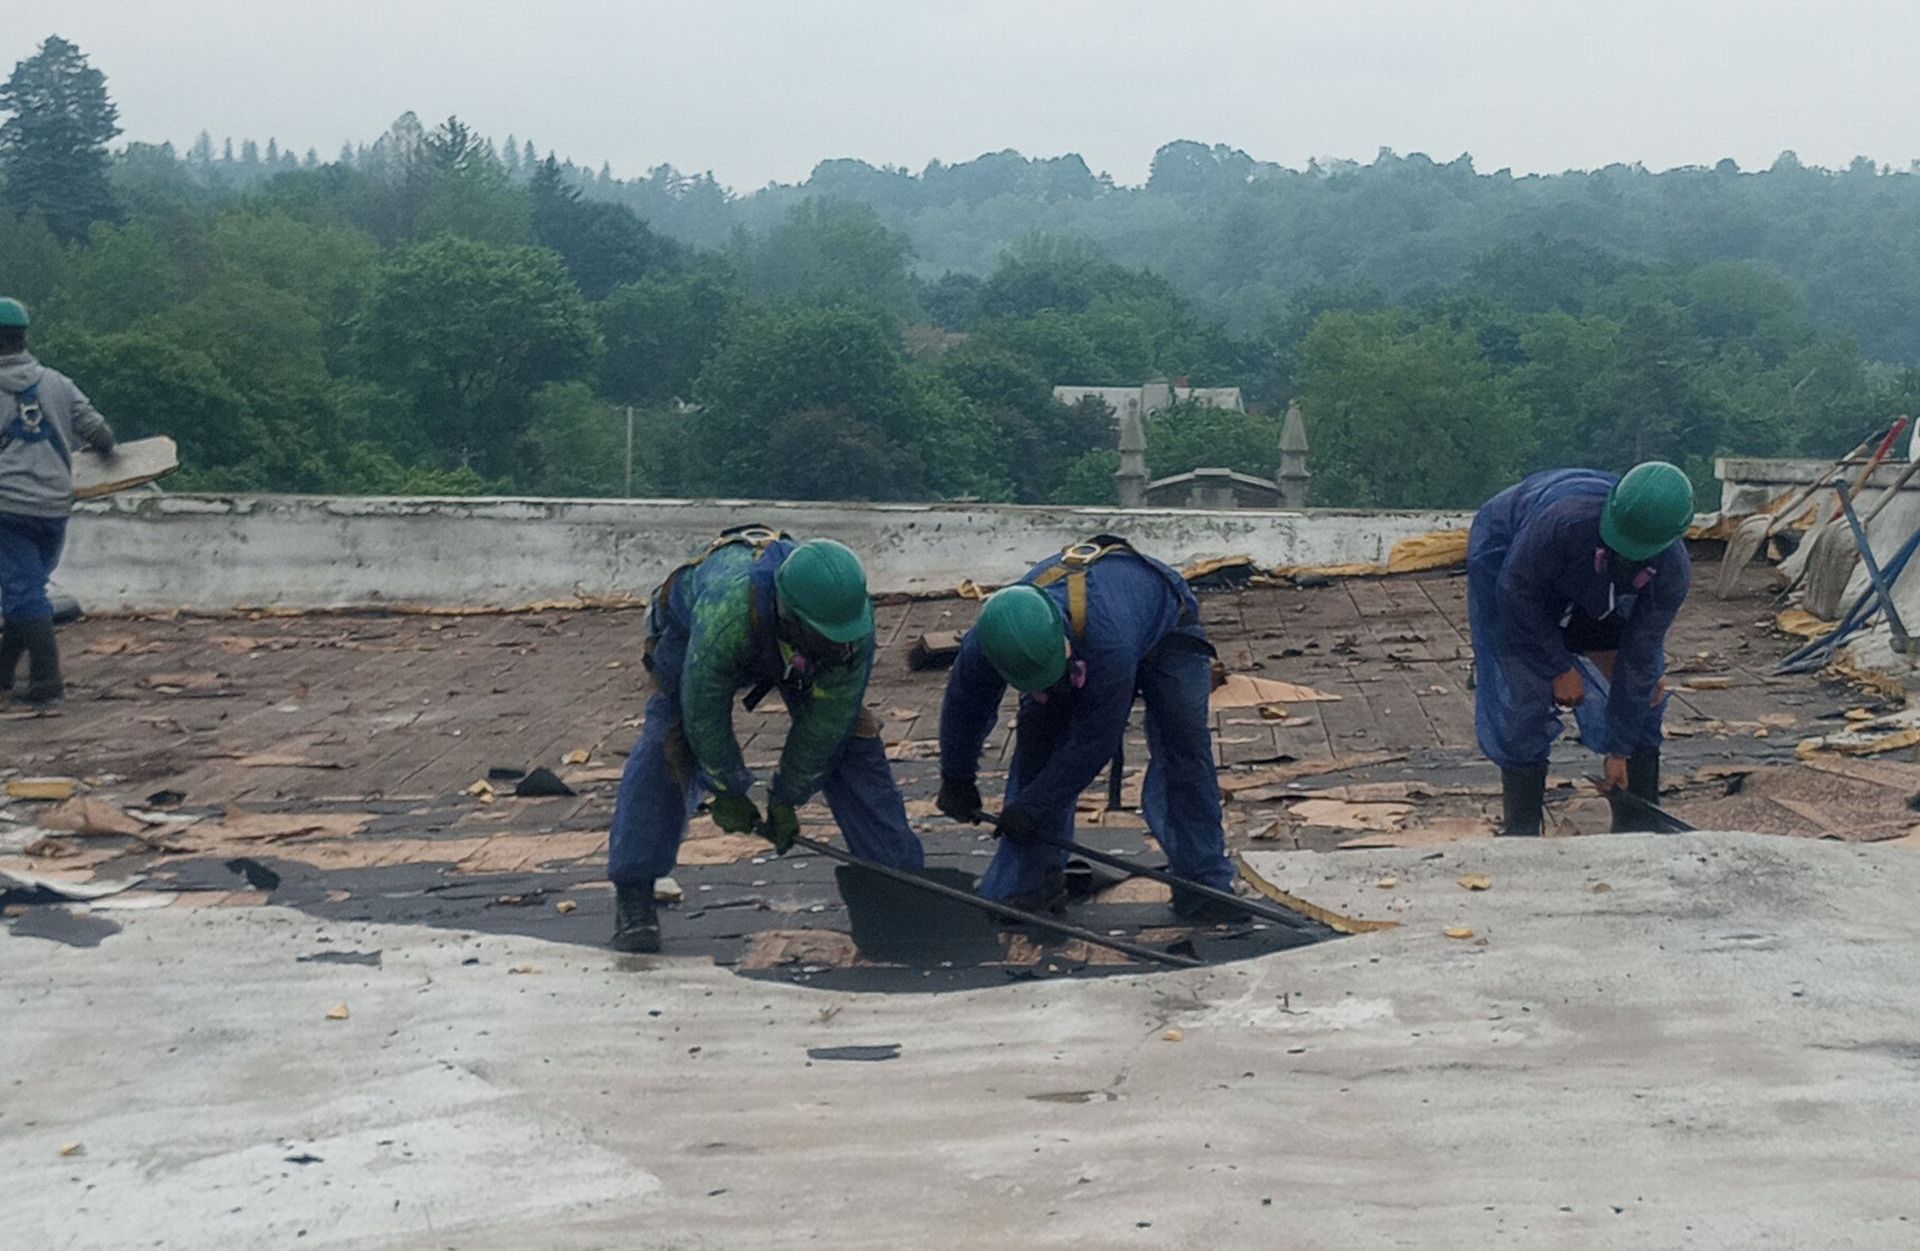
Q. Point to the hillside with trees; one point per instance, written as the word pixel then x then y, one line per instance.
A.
pixel 436 311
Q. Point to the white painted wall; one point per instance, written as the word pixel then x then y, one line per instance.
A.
pixel 1749 483
pixel 155 551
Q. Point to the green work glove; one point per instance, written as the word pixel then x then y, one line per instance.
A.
pixel 781 826
pixel 735 813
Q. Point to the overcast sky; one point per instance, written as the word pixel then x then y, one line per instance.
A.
pixel 759 92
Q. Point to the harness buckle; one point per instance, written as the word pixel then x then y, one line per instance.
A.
pixel 1080 554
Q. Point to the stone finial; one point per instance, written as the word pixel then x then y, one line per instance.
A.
pixel 1130 480
pixel 1292 479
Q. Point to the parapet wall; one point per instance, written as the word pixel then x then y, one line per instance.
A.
pixel 154 552
pixel 1749 483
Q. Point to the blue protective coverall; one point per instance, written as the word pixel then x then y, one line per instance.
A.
pixel 1143 635
pixel 1535 561
pixel 711 637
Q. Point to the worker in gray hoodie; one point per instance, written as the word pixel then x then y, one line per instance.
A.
pixel 42 418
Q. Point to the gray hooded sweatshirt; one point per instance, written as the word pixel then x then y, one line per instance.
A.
pixel 35 479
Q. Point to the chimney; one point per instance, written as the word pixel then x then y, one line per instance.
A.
pixel 1130 480
pixel 1293 475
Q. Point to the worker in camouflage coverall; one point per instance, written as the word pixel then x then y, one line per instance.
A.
pixel 758 612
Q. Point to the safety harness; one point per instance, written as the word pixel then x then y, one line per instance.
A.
pixel 753 535
pixel 1075 560
pixel 795 668
pixel 29 425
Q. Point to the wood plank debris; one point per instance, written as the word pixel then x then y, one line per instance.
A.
pixel 1242 690
pixel 132 463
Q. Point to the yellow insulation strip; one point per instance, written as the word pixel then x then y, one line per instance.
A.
pixel 1326 916
pixel 1437 549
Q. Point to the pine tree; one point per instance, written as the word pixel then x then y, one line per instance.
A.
pixel 249 153
pixel 273 150
pixel 226 153
pixel 512 155
pixel 53 145
pixel 201 153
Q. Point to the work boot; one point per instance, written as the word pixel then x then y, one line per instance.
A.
pixel 1643 782
pixel 636 919
pixel 1198 909
pixel 1048 897
pixel 1523 797
pixel 13 644
pixel 43 664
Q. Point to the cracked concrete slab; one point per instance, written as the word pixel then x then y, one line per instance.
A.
pixel 1717 1050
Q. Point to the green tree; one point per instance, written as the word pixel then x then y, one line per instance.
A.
pixel 1035 436
pixel 1089 479
pixel 605 246
pixel 469 332
pixel 865 463
pixel 776 363
pixel 830 252
pixel 122 276
pixel 53 145
pixel 1190 435
pixel 1043 273
pixel 147 385
pixel 576 445
pixel 1056 346
pixel 469 193
pixel 328 267
pixel 659 334
pixel 31 258
pixel 1406 414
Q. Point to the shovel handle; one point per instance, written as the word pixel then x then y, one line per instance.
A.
pixel 1647 806
pixel 1894 432
pixel 1136 950
pixel 1253 907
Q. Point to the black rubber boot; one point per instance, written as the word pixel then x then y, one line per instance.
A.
pixel 43 663
pixel 636 919
pixel 1523 799
pixel 12 646
pixel 1201 910
pixel 1049 897
pixel 1643 780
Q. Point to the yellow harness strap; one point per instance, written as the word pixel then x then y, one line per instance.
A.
pixel 1073 568
pixel 758 537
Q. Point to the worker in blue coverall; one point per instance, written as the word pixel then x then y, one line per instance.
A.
pixel 757 612
pixel 1079 637
pixel 1573 578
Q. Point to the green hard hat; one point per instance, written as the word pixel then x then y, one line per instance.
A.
pixel 13 314
pixel 1647 511
pixel 1024 638
pixel 821 582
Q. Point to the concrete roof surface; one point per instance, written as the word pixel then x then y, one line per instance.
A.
pixel 1643 1041
pixel 1715 1050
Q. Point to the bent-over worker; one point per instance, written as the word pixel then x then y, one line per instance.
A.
pixel 42 418
pixel 1573 578
pixel 1079 637
pixel 757 612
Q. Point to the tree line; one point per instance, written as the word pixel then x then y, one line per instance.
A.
pixel 435 312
